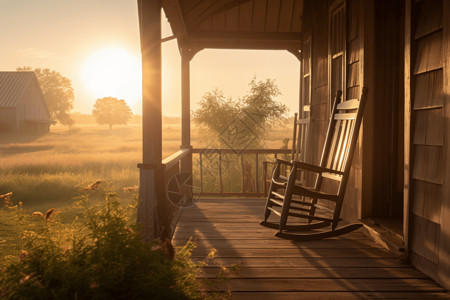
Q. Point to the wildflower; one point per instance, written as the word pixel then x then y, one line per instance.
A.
pixel 23 255
pixel 27 277
pixel 49 213
pixel 94 186
pixel 7 199
pixel 37 214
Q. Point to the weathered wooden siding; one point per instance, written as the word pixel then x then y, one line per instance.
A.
pixel 316 25
pixel 353 91
pixel 427 137
pixel 32 106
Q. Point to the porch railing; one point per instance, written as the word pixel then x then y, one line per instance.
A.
pixel 233 172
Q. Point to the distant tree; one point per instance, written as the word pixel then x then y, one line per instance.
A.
pixel 111 111
pixel 58 94
pixel 245 121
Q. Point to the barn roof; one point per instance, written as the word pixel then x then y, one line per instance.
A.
pixel 236 24
pixel 12 87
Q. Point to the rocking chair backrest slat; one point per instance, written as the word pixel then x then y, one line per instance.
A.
pixel 342 133
pixel 301 128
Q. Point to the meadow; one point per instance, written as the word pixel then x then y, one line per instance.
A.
pixel 52 171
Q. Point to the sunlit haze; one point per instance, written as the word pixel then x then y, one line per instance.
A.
pixel 96 45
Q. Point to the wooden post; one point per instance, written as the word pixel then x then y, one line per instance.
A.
pixel 150 169
pixel 186 56
pixel 407 128
pixel 444 243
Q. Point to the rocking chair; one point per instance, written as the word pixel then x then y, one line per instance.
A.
pixel 335 164
pixel 298 150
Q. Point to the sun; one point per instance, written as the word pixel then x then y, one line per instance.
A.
pixel 113 72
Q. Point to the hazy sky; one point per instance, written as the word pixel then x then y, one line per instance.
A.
pixel 81 39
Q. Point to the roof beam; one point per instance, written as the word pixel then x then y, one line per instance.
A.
pixel 290 45
pixel 248 35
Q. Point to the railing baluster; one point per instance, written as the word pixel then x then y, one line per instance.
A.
pixel 264 178
pixel 256 173
pixel 242 168
pixel 220 172
pixel 201 174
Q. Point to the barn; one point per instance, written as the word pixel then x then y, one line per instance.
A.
pixel 22 105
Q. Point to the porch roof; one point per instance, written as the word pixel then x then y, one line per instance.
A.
pixel 236 24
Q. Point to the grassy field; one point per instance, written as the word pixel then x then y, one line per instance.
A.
pixel 52 171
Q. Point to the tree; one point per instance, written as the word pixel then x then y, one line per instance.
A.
pixel 111 111
pixel 58 93
pixel 243 122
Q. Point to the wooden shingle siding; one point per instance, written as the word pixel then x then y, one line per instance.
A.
pixel 428 163
pixel 426 240
pixel 429 127
pixel 428 92
pixel 426 200
pixel 429 53
pixel 429 19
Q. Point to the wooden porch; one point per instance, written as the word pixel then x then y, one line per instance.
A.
pixel 346 267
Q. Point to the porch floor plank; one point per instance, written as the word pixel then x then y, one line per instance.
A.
pixel 346 267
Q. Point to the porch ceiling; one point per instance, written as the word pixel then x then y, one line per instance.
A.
pixel 236 24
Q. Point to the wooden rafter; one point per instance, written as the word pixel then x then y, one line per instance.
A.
pixel 175 16
pixel 215 8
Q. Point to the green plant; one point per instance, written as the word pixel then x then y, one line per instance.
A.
pixel 99 256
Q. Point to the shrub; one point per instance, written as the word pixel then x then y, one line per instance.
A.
pixel 100 256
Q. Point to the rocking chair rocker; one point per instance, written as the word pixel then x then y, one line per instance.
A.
pixel 335 164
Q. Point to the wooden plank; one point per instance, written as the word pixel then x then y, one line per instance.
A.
pixel 218 21
pixel 232 19
pixel 302 262
pixel 354 295
pixel 285 18
pixel 277 244
pixel 272 15
pixel 319 273
pixel 259 15
pixel 333 285
pixel 297 14
pixel 245 16
pixel 296 252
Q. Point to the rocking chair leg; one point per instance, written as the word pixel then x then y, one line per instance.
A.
pixel 287 198
pixel 318 235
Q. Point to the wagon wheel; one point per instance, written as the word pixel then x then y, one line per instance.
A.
pixel 180 191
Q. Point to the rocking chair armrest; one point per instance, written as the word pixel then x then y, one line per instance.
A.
pixel 284 162
pixel 314 168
